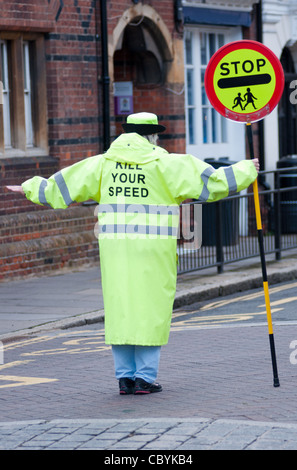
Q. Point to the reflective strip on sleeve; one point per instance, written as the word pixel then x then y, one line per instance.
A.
pixel 205 177
pixel 232 185
pixel 41 193
pixel 63 188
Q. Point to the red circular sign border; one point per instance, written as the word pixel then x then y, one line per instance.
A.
pixel 279 77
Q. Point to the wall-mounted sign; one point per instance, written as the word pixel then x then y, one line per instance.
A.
pixel 123 97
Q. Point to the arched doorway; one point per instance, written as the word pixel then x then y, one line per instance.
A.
pixel 142 57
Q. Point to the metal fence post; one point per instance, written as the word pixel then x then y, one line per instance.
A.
pixel 219 237
pixel 277 218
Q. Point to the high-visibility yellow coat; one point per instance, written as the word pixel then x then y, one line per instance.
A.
pixel 139 187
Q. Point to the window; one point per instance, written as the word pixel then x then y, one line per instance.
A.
pixel 208 133
pixel 213 124
pixel 6 97
pixel 28 96
pixel 23 126
pixel 190 86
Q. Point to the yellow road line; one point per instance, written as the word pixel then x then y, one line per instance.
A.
pixel 18 381
pixel 231 317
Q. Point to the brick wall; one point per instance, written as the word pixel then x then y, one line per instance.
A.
pixel 28 15
pixel 16 170
pixel 72 70
pixel 165 99
pixel 45 241
pixel 34 239
pixel 73 106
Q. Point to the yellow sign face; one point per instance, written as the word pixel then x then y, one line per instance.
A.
pixel 244 81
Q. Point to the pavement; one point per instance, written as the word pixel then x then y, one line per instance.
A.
pixel 222 400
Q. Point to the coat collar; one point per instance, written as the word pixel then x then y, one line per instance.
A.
pixel 133 148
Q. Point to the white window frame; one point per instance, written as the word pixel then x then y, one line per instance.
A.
pixel 23 120
pixel 28 96
pixel 6 95
pixel 228 140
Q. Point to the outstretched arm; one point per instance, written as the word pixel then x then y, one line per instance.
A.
pixel 191 178
pixel 230 179
pixel 16 189
pixel 257 164
pixel 76 183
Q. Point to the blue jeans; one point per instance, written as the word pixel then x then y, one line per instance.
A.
pixel 136 361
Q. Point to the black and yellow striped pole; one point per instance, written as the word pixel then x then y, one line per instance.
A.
pixel 263 262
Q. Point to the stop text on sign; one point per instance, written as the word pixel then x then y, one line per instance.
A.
pixel 247 66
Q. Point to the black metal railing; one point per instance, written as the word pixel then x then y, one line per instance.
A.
pixel 229 231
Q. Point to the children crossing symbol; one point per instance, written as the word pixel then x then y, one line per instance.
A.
pixel 248 99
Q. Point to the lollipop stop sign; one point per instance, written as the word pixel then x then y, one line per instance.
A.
pixel 244 81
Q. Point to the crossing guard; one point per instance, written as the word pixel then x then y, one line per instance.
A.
pixel 139 187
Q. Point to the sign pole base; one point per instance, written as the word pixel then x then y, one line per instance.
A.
pixel 263 264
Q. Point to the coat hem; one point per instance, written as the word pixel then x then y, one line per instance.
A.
pixel 135 343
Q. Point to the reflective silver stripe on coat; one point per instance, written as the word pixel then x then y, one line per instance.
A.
pixel 232 185
pixel 150 209
pixel 139 229
pixel 205 175
pixel 138 208
pixel 41 193
pixel 63 188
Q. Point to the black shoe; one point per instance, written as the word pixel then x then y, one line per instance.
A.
pixel 142 387
pixel 126 386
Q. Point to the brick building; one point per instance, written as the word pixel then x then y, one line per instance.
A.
pixel 70 76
